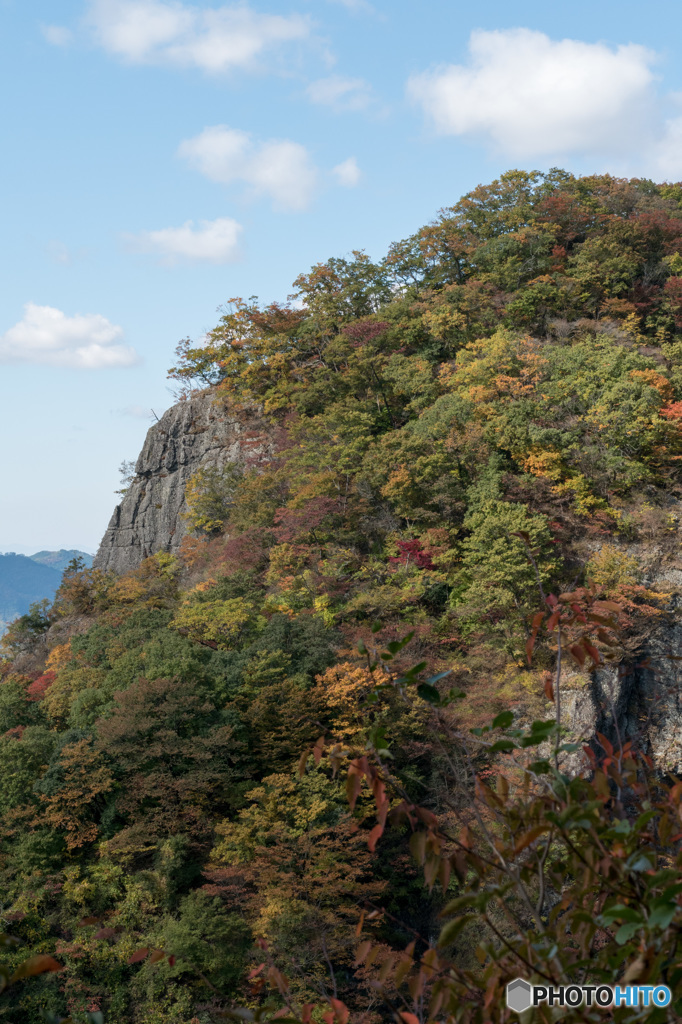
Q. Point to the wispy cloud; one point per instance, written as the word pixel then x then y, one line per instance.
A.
pixel 279 168
pixel 48 336
pixel 59 253
pixel 210 241
pixel 339 93
pixel 347 173
pixel 215 39
pixel 57 35
pixel 356 6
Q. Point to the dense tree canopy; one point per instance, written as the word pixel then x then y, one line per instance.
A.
pixel 484 416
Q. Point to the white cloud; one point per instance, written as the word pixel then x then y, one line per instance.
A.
pixel 667 155
pixel 280 169
pixel 49 337
pixel 355 5
pixel 57 35
pixel 340 93
pixel 59 253
pixel 169 32
pixel 211 241
pixel 530 96
pixel 347 173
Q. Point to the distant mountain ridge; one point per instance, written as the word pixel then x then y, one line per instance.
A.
pixel 24 579
pixel 60 559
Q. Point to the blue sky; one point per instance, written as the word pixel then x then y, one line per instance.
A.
pixel 162 156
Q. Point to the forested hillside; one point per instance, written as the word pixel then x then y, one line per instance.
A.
pixel 246 777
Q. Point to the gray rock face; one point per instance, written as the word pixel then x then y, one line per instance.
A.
pixel 198 433
pixel 639 699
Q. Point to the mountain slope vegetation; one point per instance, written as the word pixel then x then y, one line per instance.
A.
pixel 490 415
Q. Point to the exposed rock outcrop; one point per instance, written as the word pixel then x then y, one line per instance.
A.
pixel 199 432
pixel 639 699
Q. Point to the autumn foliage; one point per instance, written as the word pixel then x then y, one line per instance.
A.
pixel 319 765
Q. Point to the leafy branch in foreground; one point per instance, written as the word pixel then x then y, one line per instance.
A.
pixel 31 968
pixel 554 876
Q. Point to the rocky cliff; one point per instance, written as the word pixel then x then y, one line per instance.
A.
pixel 640 698
pixel 198 432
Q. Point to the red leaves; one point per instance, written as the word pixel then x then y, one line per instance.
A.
pixel 553 621
pixel 337 1014
pixel 672 411
pixel 409 1018
pixel 581 650
pixel 318 749
pixel 591 650
pixel 548 686
pixel 412 552
pixel 359 769
pixel 374 837
pixel 278 981
pixel 578 653
pixel 138 956
pixel 529 837
pixel 577 612
pixel 37 690
pixel 590 755
pixel 157 955
pixel 295 524
pixel 35 965
pixel 362 951
pixel 606 744
pixel 353 786
pixel 364 331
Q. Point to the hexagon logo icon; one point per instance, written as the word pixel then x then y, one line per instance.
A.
pixel 518 995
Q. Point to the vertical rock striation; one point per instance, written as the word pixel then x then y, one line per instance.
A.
pixel 200 432
pixel 639 699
